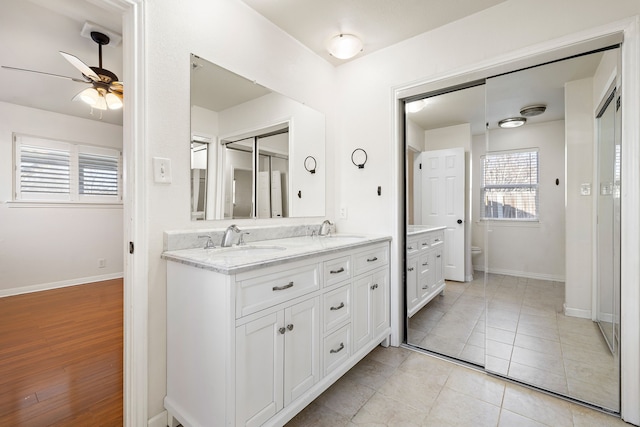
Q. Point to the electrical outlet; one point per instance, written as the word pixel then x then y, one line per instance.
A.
pixel 102 263
pixel 343 212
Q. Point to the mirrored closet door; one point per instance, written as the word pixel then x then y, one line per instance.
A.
pixel 538 300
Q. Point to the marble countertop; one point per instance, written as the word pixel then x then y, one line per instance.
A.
pixel 264 253
pixel 413 230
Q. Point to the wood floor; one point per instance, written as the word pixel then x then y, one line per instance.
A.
pixel 61 357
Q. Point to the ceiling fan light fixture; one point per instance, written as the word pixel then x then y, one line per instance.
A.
pixel 113 101
pixel 101 104
pixel 512 122
pixel 344 46
pixel 90 96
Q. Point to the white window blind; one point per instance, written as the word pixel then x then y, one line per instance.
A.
pixel 509 188
pixel 49 170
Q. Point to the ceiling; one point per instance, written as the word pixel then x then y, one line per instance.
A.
pixel 42 28
pixel 378 23
pixel 504 96
pixel 38 30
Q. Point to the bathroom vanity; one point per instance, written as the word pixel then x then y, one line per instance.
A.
pixel 255 333
pixel 425 274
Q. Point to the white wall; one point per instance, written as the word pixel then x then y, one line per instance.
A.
pixel 232 35
pixel 527 249
pixel 46 246
pixel 579 127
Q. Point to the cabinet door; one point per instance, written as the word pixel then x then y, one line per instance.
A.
pixel 301 348
pixel 439 271
pixel 259 369
pixel 380 302
pixel 361 321
pixel 412 284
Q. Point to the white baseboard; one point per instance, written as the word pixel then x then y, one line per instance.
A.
pixel 576 312
pixel 525 274
pixel 159 420
pixel 56 285
pixel 605 317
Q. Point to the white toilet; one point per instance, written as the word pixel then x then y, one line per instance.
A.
pixel 476 250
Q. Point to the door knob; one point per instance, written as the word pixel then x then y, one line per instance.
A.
pixel 459 221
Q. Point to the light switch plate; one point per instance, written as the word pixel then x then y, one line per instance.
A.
pixel 343 212
pixel 162 170
pixel 585 189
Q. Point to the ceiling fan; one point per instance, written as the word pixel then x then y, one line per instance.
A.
pixel 106 92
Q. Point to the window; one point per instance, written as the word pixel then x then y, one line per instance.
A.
pixel 509 188
pixel 56 171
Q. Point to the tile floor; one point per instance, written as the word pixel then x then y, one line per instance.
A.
pixel 399 387
pixel 525 333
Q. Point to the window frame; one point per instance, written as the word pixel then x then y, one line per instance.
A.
pixel 535 186
pixel 75 149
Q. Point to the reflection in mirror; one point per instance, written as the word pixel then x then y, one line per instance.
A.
pixel 540 221
pixel 446 317
pixel 265 193
pixel 255 143
pixel 543 237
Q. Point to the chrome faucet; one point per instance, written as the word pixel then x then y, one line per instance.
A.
pixel 227 239
pixel 209 244
pixel 325 228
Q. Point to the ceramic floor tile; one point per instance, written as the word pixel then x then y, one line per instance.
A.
pixel 539 344
pixel 537 406
pixel 473 354
pixel 318 415
pixel 346 397
pixel 452 408
pixel 416 389
pixel 500 335
pixel 476 384
pixel 511 419
pixel 385 411
pixel 393 356
pixel 535 359
pixel 538 377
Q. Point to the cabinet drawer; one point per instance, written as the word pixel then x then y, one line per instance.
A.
pixel 436 238
pixel 368 260
pixel 337 307
pixel 337 270
pixel 424 242
pixel 337 348
pixel 257 293
pixel 413 246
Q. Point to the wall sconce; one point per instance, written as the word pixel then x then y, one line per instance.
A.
pixel 359 157
pixel 310 164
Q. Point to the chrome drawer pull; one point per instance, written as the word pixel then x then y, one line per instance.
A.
pixel 410 248
pixel 438 256
pixel 375 258
pixel 437 240
pixel 410 268
pixel 425 287
pixel 338 307
pixel 425 244
pixel 340 270
pixel 281 288
pixel 373 287
pixel 340 348
pixel 425 264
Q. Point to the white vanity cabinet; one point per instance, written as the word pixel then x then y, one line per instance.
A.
pixel 425 274
pixel 255 347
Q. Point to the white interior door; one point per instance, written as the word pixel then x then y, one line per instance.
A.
pixel 443 175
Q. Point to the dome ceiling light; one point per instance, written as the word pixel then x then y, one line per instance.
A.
pixel 512 122
pixel 344 46
pixel 533 110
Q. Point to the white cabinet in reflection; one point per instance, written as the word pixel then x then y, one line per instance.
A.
pixel 425 274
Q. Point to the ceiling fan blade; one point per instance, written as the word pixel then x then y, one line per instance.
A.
pixel 116 87
pixel 84 68
pixel 47 74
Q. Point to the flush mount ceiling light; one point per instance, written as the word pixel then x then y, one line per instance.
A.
pixel 512 122
pixel 533 110
pixel 344 46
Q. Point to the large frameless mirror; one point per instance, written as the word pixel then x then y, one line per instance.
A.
pixel 249 147
pixel 539 298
